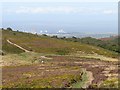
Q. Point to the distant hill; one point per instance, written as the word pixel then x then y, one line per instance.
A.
pixel 47 44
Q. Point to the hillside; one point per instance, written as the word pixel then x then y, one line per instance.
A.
pixel 47 45
pixel 40 61
pixel 110 44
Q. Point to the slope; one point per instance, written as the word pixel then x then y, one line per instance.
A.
pixel 48 45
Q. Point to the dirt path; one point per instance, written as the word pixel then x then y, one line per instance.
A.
pixel 89 80
pixel 44 57
pixel 100 70
pixel 17 46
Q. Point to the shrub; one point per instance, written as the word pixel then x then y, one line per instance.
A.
pixel 62 52
pixel 44 34
pixel 54 37
pixel 10 29
pixel 14 33
pixel 74 37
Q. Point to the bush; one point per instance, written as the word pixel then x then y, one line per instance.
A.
pixel 74 37
pixel 44 34
pixel 54 37
pixel 62 52
pixel 10 29
pixel 63 38
pixel 2 53
pixel 14 33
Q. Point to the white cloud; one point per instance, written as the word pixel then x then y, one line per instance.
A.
pixel 59 0
pixel 61 9
pixel 109 11
pixel 45 10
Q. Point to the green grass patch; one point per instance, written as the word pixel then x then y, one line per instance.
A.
pixel 58 81
pixel 110 83
pixel 80 82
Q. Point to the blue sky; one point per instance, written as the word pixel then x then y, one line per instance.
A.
pixel 97 17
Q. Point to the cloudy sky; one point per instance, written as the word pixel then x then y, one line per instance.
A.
pixel 98 17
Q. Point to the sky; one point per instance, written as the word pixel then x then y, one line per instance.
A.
pixel 85 17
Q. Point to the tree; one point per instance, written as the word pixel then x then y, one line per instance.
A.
pixel 63 37
pixel 10 29
pixel 44 34
pixel 54 36
pixel 74 37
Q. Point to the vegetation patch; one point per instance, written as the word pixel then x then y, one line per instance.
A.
pixel 48 45
pixel 80 82
pixel 110 83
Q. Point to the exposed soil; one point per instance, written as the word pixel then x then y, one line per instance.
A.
pixel 17 46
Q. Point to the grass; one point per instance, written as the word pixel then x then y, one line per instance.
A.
pixel 54 81
pixel 45 82
pixel 48 45
pixel 8 48
pixel 94 56
pixel 25 58
pixel 80 83
pixel 110 83
pixel 62 72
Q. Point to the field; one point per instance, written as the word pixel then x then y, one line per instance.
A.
pixel 55 63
